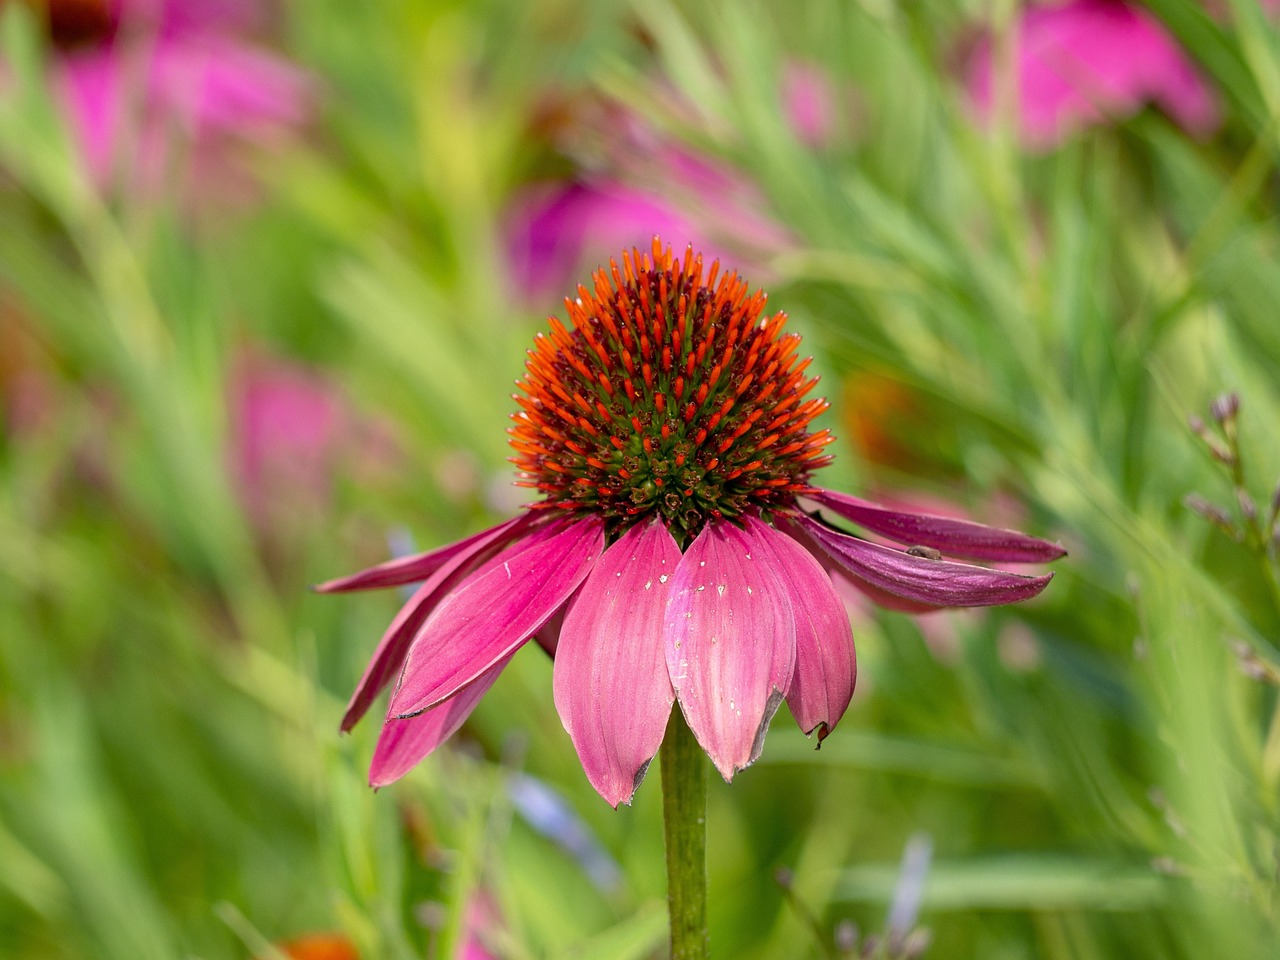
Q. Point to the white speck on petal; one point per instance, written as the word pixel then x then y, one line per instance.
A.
pixel 720 589
pixel 701 587
pixel 648 585
pixel 748 556
pixel 702 563
pixel 748 591
pixel 506 568
pixel 662 579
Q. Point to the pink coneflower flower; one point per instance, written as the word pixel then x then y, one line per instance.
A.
pixel 676 555
pixel 1093 61
pixel 155 75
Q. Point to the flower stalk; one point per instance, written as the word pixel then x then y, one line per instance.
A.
pixel 684 815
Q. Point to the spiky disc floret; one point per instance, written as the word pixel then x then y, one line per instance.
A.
pixel 670 394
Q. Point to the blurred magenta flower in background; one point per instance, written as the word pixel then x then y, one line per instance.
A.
pixel 633 182
pixel 669 437
pixel 288 424
pixel 292 432
pixel 1085 62
pixel 554 229
pixel 149 83
pixel 809 103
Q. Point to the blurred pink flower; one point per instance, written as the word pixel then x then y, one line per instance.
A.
pixel 1093 61
pixel 636 182
pixel 809 103
pixel 174 73
pixel 482 916
pixel 554 231
pixel 288 428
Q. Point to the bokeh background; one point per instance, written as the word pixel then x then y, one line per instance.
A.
pixel 267 271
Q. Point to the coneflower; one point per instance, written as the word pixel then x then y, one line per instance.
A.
pixel 676 554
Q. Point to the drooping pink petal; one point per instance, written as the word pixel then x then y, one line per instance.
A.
pixel 405 742
pixel 826 666
pixel 730 642
pixel 612 688
pixel 922 578
pixel 840 576
pixel 389 656
pixel 495 610
pixel 402 570
pixel 957 538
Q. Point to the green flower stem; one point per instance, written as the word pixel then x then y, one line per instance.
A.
pixel 684 810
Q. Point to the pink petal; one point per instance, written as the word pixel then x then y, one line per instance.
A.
pixel 826 666
pixel 922 579
pixel 612 688
pixel 390 654
pixel 404 742
pixel 959 538
pixel 404 570
pixel 730 642
pixel 495 610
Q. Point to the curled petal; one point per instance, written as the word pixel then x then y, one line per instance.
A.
pixel 405 742
pixel 957 538
pixel 420 566
pixel 495 610
pixel 826 666
pixel 612 688
pixel 921 578
pixel 389 656
pixel 730 642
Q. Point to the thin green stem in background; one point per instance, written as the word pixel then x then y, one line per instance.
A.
pixel 684 815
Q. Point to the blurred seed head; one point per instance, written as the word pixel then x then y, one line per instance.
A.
pixel 1225 407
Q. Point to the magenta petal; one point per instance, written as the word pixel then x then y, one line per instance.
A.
pixel 404 743
pixel 389 656
pixel 939 582
pixel 612 688
pixel 730 642
pixel 495 610
pixel 959 538
pixel 826 666
pixel 404 570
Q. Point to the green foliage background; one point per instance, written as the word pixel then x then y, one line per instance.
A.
pixel 172 783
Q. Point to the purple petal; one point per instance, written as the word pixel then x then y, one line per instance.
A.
pixel 389 656
pixel 730 642
pixel 404 742
pixel 826 666
pixel 959 538
pixel 922 579
pixel 612 688
pixel 495 610
pixel 404 570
